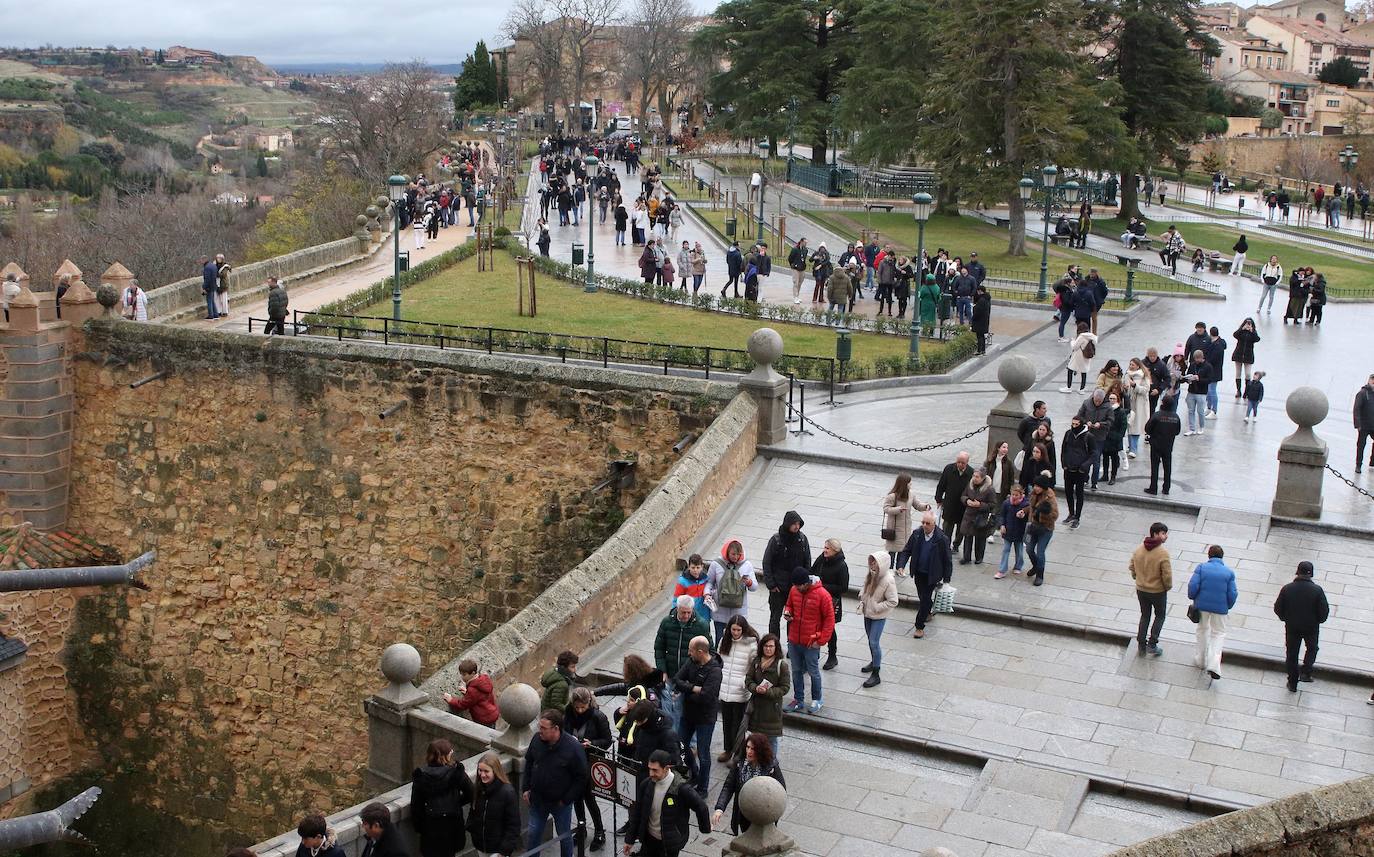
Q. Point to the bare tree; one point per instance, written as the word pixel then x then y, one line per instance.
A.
pixel 541 47
pixel 387 123
pixel 583 23
pixel 654 43
pixel 1302 160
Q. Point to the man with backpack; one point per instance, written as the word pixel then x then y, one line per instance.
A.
pixel 729 581
pixel 787 549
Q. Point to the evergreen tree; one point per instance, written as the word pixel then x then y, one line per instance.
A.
pixel 775 51
pixel 884 90
pixel 1007 96
pixel 1341 72
pixel 262 165
pixel 1162 87
pixel 476 84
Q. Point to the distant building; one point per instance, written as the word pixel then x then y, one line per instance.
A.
pixel 1329 12
pixel 1311 43
pixel 181 55
pixel 1241 50
pixel 1308 105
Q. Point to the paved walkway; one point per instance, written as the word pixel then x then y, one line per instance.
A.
pixel 1047 711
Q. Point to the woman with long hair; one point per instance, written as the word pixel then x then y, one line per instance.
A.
pixel 768 682
pixel 438 792
pixel 759 761
pixel 1138 405
pixel 897 506
pixel 494 821
pixel 585 722
pixel 877 600
pixel 738 646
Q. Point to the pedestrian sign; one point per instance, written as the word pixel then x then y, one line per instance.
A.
pixel 613 778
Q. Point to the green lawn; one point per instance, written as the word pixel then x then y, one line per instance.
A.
pixel 463 295
pixel 963 235
pixel 1344 274
pixel 1327 234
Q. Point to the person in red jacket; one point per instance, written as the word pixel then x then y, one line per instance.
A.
pixel 478 699
pixel 810 616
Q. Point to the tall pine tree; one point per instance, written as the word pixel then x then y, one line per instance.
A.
pixel 476 85
pixel 775 51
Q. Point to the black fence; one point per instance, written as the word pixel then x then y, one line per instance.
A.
pixel 603 350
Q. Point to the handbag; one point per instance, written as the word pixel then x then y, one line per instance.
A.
pixel 839 611
pixel 888 534
pixel 1194 614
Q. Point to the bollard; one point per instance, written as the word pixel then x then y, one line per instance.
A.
pixel 801 411
pixel 791 382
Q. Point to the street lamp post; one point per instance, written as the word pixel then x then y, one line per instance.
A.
pixel 763 184
pixel 1348 157
pixel 396 189
pixel 591 162
pixel 921 203
pixel 1048 174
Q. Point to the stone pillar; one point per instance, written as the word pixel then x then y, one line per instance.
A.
pixel 360 233
pixel 117 277
pixel 1016 374
pixel 519 706
pixel 24 311
pixel 768 388
pixel 762 801
pixel 79 303
pixel 390 757
pixel 1302 457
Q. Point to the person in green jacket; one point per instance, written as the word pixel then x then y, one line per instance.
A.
pixel 558 682
pixel 929 296
pixel 674 636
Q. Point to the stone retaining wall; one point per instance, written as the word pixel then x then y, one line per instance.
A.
pixel 590 601
pixel 1335 821
pixel 250 281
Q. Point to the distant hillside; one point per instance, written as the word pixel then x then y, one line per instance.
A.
pixel 347 68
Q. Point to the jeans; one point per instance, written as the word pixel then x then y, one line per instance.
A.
pixel 1063 320
pixel 1197 409
pixel 275 325
pixel 620 238
pixel 873 629
pixel 1251 408
pixel 1007 545
pixel 1293 638
pixel 1133 443
pixel 1268 290
pixel 1211 635
pixel 1212 396
pixel 671 706
pixel 1097 444
pixel 805 661
pixel 701 734
pixel 210 310
pixel 1155 603
pixel 1037 539
pixel 539 817
pixel 965 310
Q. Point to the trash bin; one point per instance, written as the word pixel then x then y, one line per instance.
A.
pixel 577 253
pixel 944 306
pixel 730 224
pixel 844 345
pixel 701 185
pixel 405 261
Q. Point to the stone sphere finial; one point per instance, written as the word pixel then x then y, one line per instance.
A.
pixel 762 800
pixel 1016 374
pixel 1307 406
pixel 371 211
pixel 361 221
pixel 765 346
pixel 400 663
pixel 107 295
pixel 519 705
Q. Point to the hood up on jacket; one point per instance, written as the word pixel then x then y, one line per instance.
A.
pixel 725 550
pixel 878 557
pixel 788 520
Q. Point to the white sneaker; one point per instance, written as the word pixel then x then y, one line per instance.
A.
pixel 1189 433
pixel 1245 419
pixel 1199 431
pixel 1126 465
pixel 796 300
pixel 1062 339
pixel 1066 389
pixel 1130 455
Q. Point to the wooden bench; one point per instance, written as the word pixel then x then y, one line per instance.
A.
pixel 870 206
pixel 1001 222
pixel 1060 239
pixel 1144 243
pixel 1216 263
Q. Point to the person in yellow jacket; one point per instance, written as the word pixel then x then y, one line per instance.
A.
pixel 1154 577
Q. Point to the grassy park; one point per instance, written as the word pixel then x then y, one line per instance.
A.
pixel 1345 275
pixel 463 295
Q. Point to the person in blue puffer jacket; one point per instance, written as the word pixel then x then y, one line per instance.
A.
pixel 1212 590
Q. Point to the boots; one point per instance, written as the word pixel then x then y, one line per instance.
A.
pixel 831 662
pixel 873 679
pixel 598 840
pixel 866 669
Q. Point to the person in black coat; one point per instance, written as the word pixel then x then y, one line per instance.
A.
pixel 317 840
pixel 758 761
pixel 438 792
pixel 787 549
pixel 1076 455
pixel 734 266
pixel 833 572
pixel 554 778
pixel 932 564
pixel 1302 608
pixel 588 724
pixel 949 493
pixel 652 731
pixel 494 821
pixel 1162 429
pixel 674 802
pixel 383 838
pixel 1243 352
pixel 982 317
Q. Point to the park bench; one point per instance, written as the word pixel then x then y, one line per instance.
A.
pixel 885 206
pixel 1216 263
pixel 1060 239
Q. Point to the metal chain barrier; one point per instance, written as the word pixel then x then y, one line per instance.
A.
pixel 871 447
pixel 1339 475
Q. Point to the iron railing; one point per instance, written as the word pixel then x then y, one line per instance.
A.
pixel 604 350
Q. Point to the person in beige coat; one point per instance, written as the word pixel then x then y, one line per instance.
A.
pixel 1138 401
pixel 877 600
pixel 897 506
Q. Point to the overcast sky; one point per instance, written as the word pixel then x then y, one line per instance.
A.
pixel 276 32
pixel 293 31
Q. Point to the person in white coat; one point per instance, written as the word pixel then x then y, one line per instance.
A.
pixel 877 600
pixel 1138 400
pixel 1080 358
pixel 897 506
pixel 738 646
pixel 135 302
